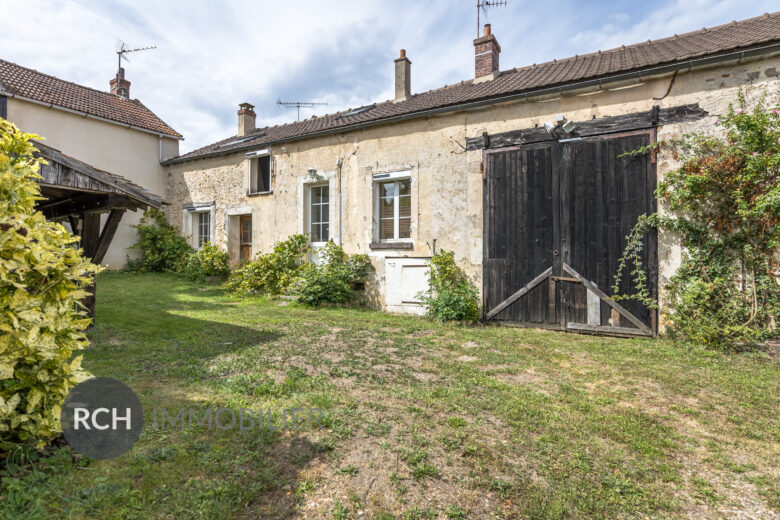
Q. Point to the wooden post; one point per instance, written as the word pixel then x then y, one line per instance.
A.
pixel 594 308
pixel 90 236
pixel 112 223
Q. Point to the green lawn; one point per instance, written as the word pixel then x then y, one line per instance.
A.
pixel 421 420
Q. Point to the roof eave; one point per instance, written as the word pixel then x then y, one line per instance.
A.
pixel 696 62
pixel 87 115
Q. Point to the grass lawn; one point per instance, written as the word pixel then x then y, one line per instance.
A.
pixel 421 420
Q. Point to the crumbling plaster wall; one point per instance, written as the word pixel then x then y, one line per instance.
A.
pixel 446 180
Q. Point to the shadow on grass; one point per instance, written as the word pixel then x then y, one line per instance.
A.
pixel 166 327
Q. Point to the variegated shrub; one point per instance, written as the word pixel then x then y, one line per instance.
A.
pixel 42 322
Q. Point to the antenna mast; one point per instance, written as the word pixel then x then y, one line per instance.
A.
pixel 299 104
pixel 482 5
pixel 122 48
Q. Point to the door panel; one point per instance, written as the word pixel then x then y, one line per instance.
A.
pixel 520 231
pixel 567 206
pixel 245 240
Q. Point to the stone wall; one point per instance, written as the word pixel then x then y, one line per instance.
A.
pixel 446 180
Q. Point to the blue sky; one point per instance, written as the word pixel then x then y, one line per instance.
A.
pixel 211 56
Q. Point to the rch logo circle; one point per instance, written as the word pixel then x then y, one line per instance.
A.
pixel 102 418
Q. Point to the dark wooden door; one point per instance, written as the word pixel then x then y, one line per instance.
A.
pixel 556 219
pixel 245 253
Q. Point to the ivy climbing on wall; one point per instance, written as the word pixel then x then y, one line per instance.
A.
pixel 724 202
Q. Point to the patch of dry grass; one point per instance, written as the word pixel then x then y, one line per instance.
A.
pixel 422 420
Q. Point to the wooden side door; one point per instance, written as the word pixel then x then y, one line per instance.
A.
pixel 245 230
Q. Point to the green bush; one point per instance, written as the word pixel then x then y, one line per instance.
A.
pixel 724 201
pixel 163 249
pixel 450 296
pixel 42 282
pixel 333 280
pixel 271 273
pixel 210 260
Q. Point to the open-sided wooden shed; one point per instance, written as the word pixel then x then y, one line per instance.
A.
pixel 78 193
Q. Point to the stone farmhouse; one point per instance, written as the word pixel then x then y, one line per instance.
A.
pixel 518 171
pixel 521 172
pixel 108 149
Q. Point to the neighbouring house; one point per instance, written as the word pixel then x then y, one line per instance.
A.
pixel 520 172
pixel 104 132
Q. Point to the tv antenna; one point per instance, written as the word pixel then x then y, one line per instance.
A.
pixel 122 48
pixel 483 5
pixel 299 104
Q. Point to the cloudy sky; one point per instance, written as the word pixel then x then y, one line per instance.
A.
pixel 211 56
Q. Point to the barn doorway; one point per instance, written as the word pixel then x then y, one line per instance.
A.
pixel 557 214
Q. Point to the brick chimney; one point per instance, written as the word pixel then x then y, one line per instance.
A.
pixel 246 119
pixel 119 85
pixel 486 51
pixel 403 77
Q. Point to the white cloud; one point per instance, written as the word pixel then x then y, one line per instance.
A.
pixel 677 17
pixel 212 56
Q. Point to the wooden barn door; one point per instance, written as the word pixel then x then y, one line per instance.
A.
pixel 556 219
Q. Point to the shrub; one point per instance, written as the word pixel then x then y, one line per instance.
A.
pixel 725 204
pixel 210 260
pixel 333 281
pixel 163 249
pixel 42 282
pixel 451 296
pixel 271 273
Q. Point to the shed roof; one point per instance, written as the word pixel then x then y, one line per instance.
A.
pixel 60 170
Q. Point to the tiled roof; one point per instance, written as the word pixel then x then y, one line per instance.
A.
pixel 734 36
pixel 28 83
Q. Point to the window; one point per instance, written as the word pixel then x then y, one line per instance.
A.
pixel 198 221
pixel 319 214
pixel 356 111
pixel 395 210
pixel 204 228
pixel 260 174
pixel 246 230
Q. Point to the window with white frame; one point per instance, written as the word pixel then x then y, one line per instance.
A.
pixel 200 223
pixel 394 207
pixel 204 228
pixel 260 174
pixel 319 214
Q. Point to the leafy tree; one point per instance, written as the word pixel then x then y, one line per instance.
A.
pixel 42 282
